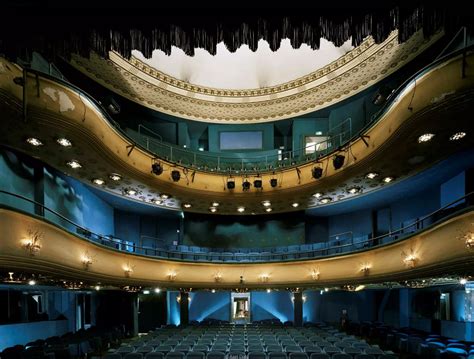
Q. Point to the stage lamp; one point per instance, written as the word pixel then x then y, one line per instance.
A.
pixel 338 161
pixel 175 175
pixel 273 182
pixel 156 168
pixel 230 183
pixel 317 172
pixel 245 185
pixel 257 183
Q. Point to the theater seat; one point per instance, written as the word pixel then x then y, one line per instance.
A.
pixel 153 355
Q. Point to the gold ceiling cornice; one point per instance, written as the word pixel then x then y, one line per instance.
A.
pixel 354 72
pixel 56 110
pixel 437 251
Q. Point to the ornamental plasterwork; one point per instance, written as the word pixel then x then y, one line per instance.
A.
pixel 345 77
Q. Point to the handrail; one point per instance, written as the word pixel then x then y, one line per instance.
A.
pixel 265 254
pixel 140 126
pixel 180 155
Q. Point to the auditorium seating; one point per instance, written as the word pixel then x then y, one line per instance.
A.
pixel 261 340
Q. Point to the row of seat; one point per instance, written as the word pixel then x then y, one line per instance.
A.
pixel 252 355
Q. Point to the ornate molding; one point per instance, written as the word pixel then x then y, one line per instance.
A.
pixel 345 77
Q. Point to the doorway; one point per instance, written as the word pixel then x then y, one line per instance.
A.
pixel 240 308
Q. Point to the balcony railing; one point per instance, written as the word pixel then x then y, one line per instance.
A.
pixel 338 137
pixel 343 245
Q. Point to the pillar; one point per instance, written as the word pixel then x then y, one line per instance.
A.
pixel 184 308
pixel 298 309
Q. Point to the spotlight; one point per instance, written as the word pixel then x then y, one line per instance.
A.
pixel 111 105
pixel 257 183
pixel 175 175
pixel 230 183
pixel 245 185
pixel 273 182
pixel 34 141
pixel 317 172
pixel 156 168
pixel 338 161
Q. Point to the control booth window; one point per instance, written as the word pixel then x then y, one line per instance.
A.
pixel 241 140
pixel 314 144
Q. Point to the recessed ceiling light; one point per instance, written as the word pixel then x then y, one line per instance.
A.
pixel 354 189
pixel 74 164
pixel 295 204
pixel 371 175
pixel 425 137
pixel 388 179
pixel 463 281
pixel 187 205
pixel 317 195
pixel 34 141
pixel 164 196
pixel 97 287
pixel 212 209
pixel 131 192
pixel 213 290
pixel 266 203
pixel 268 209
pixel 115 177
pixel 240 209
pixel 98 181
pixel 64 142
pixel 32 282
pixel 157 290
pixel 157 201
pixel 457 136
pixel 325 200
pixel 215 204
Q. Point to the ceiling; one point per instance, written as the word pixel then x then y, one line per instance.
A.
pixel 244 68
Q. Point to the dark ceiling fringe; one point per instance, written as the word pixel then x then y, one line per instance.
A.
pixel 187 33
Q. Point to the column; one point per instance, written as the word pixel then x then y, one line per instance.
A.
pixel 184 308
pixel 298 309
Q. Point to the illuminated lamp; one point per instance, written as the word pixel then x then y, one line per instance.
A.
pixel 157 169
pixel 175 175
pixel 338 161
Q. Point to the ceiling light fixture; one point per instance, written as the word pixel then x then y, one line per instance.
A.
pixel 354 189
pixel 157 201
pixel 164 196
pixel 463 281
pixel 268 209
pixel 269 290
pixel 425 137
pixel 215 204
pixel 317 195
pixel 371 175
pixel 98 181
pixel 240 209
pixel 131 191
pixel 457 136
pixel 115 177
pixel 34 141
pixel 74 164
pixel 388 179
pixel 213 290
pixel 146 291
pixel 187 205
pixel 157 290
pixel 64 142
pixel 266 203
pixel 295 204
pixel 325 200
pixel 31 282
pixel 212 209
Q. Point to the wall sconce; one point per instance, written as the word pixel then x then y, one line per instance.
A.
pixel 264 278
pixel 171 276
pixel 409 258
pixel 128 270
pixel 178 298
pixel 315 274
pixel 32 244
pixel 365 268
pixel 468 238
pixel 218 277
pixel 86 260
pixel 303 298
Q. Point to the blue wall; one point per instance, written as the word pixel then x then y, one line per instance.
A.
pixel 208 305
pixel 273 305
pixel 453 189
pixel 173 308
